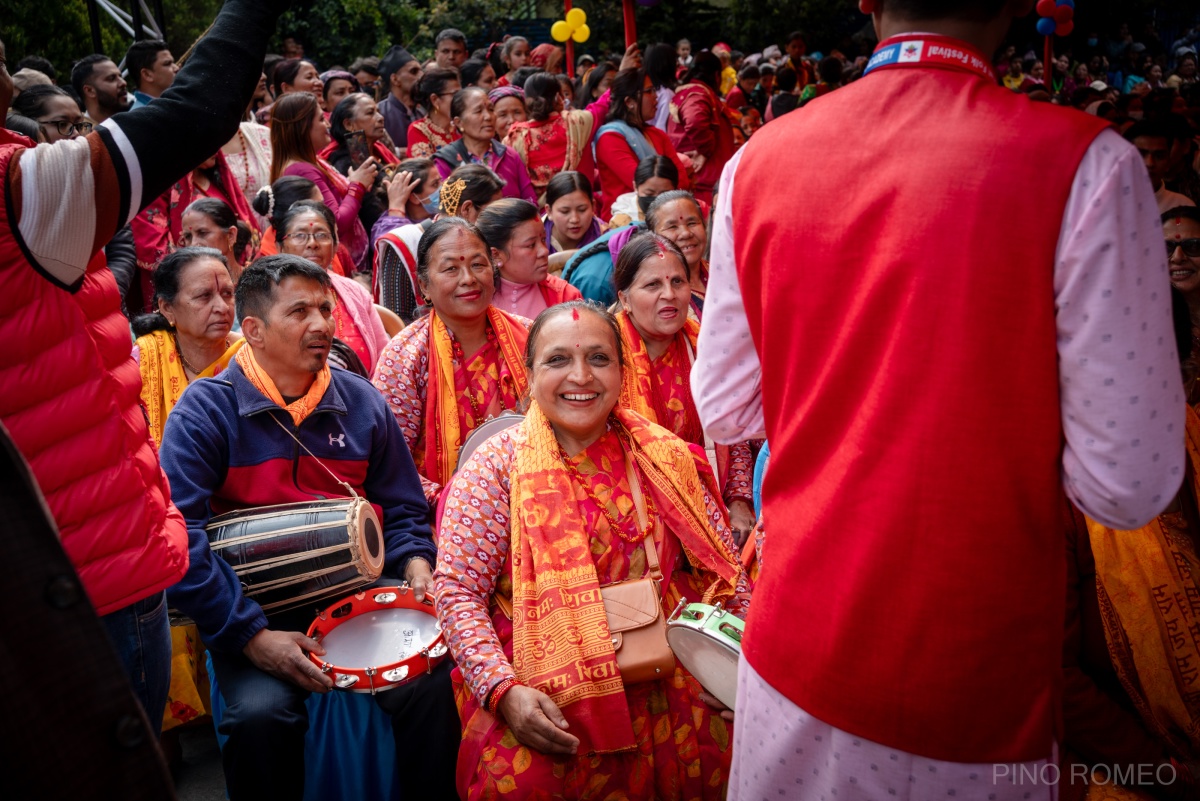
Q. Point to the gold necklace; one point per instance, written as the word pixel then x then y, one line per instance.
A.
pixel 183 358
pixel 613 525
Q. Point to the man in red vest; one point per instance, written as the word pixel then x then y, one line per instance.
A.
pixel 935 382
pixel 69 389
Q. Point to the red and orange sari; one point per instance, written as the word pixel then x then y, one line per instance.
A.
pixel 661 391
pixel 440 395
pixel 650 740
pixel 548 147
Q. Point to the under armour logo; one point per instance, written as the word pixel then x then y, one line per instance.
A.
pixel 340 439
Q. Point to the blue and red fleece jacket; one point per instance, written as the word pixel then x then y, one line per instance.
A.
pixel 223 449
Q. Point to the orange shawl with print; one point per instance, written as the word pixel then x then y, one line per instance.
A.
pixel 561 642
pixel 639 393
pixel 1148 582
pixel 164 379
pixel 443 434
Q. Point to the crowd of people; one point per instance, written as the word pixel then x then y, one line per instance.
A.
pixel 345 269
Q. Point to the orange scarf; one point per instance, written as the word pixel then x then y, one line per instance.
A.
pixel 1142 578
pixel 302 407
pixel 561 642
pixel 443 434
pixel 639 393
pixel 638 390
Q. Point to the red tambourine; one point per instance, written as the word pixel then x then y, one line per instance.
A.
pixel 377 639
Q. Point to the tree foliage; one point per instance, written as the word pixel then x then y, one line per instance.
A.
pixel 57 30
pixel 338 31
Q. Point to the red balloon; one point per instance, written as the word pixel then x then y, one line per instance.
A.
pixel 1063 14
pixel 1064 28
pixel 1045 8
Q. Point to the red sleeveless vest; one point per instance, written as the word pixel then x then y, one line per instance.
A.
pixel 69 395
pixel 914 591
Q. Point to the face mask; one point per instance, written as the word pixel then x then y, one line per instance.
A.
pixel 645 202
pixel 432 203
pixel 1093 42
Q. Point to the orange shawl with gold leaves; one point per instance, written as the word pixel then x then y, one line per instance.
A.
pixel 1148 590
pixel 443 434
pixel 561 642
pixel 163 376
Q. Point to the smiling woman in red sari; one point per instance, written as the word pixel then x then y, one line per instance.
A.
pixel 536 522
pixel 462 363
pixel 652 281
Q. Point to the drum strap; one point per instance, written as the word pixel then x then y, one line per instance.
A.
pixel 334 475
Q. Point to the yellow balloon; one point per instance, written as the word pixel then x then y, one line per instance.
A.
pixel 576 17
pixel 582 33
pixel 561 31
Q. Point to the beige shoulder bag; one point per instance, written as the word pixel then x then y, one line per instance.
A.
pixel 634 610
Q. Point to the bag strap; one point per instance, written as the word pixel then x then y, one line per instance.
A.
pixel 639 503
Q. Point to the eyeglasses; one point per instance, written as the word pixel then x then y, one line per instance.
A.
pixel 64 127
pixel 302 237
pixel 1190 247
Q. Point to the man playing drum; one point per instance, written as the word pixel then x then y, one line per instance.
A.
pixel 280 426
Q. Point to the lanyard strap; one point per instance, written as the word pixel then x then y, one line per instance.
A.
pixel 324 467
pixel 926 49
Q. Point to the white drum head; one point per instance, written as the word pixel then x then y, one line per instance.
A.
pixel 713 662
pixel 379 638
pixel 484 432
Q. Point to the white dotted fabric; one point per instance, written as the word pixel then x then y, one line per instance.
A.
pixel 780 751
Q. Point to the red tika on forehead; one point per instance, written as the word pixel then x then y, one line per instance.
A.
pixel 575 315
